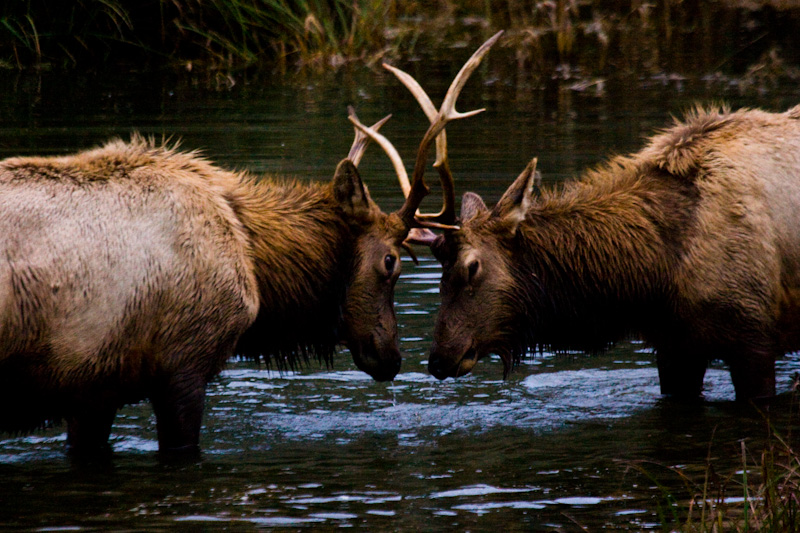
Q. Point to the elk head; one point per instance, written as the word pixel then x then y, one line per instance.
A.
pixel 370 324
pixel 480 305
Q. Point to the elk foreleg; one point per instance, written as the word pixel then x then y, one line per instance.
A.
pixel 680 374
pixel 178 406
pixel 89 427
pixel 753 374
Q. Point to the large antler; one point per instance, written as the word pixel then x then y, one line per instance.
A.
pixel 447 112
pixel 447 214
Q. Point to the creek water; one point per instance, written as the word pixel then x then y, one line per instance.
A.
pixel 568 442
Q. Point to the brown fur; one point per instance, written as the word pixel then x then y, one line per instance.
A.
pixel 134 270
pixel 303 279
pixel 692 244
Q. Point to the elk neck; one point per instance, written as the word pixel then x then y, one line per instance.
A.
pixel 598 255
pixel 301 251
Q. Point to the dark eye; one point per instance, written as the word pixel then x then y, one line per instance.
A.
pixel 472 269
pixel 389 262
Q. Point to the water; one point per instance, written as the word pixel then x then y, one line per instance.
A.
pixel 567 441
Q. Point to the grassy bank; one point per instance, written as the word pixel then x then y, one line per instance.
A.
pixel 761 493
pixel 549 38
pixel 220 34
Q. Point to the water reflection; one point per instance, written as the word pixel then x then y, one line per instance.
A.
pixel 549 448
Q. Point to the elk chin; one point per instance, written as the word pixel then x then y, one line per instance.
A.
pixel 381 364
pixel 467 362
pixel 438 367
pixel 442 366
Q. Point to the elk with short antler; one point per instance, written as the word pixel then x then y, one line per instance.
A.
pixel 135 270
pixel 692 244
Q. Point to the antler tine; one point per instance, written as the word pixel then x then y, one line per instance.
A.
pixel 361 140
pixel 372 134
pixel 445 176
pixel 449 104
pixel 427 107
pixel 447 112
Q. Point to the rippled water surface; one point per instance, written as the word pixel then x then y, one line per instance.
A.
pixel 566 442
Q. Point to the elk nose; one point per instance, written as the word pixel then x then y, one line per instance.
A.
pixel 387 372
pixel 383 367
pixel 436 368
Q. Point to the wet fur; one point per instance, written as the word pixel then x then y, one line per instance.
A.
pixel 302 255
pixel 135 270
pixel 692 243
pixel 602 249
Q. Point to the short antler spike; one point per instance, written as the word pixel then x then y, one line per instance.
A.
pixel 362 139
pixel 383 142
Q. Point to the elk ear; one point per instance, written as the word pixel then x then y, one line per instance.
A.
pixel 349 190
pixel 516 201
pixel 471 205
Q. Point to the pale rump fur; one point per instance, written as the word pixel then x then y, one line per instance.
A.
pixel 131 271
pixel 744 244
pixel 692 244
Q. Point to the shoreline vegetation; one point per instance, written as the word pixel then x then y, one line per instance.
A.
pixel 751 40
pixel 762 494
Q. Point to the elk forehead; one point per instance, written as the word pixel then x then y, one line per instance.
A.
pixel 469 261
pixel 394 227
pixel 384 236
pixel 469 254
pixel 476 258
pixel 464 244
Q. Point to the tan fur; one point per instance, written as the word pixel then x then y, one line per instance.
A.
pixel 97 238
pixel 692 243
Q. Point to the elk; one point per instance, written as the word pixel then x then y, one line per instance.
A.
pixel 135 270
pixel 692 244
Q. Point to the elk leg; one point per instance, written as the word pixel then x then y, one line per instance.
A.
pixel 88 429
pixel 681 377
pixel 178 407
pixel 753 375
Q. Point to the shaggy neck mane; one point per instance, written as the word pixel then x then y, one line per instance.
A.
pixel 300 246
pixel 597 256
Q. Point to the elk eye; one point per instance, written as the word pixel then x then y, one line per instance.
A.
pixel 389 262
pixel 472 269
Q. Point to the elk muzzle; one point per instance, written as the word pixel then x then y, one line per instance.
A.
pixel 448 361
pixel 381 360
